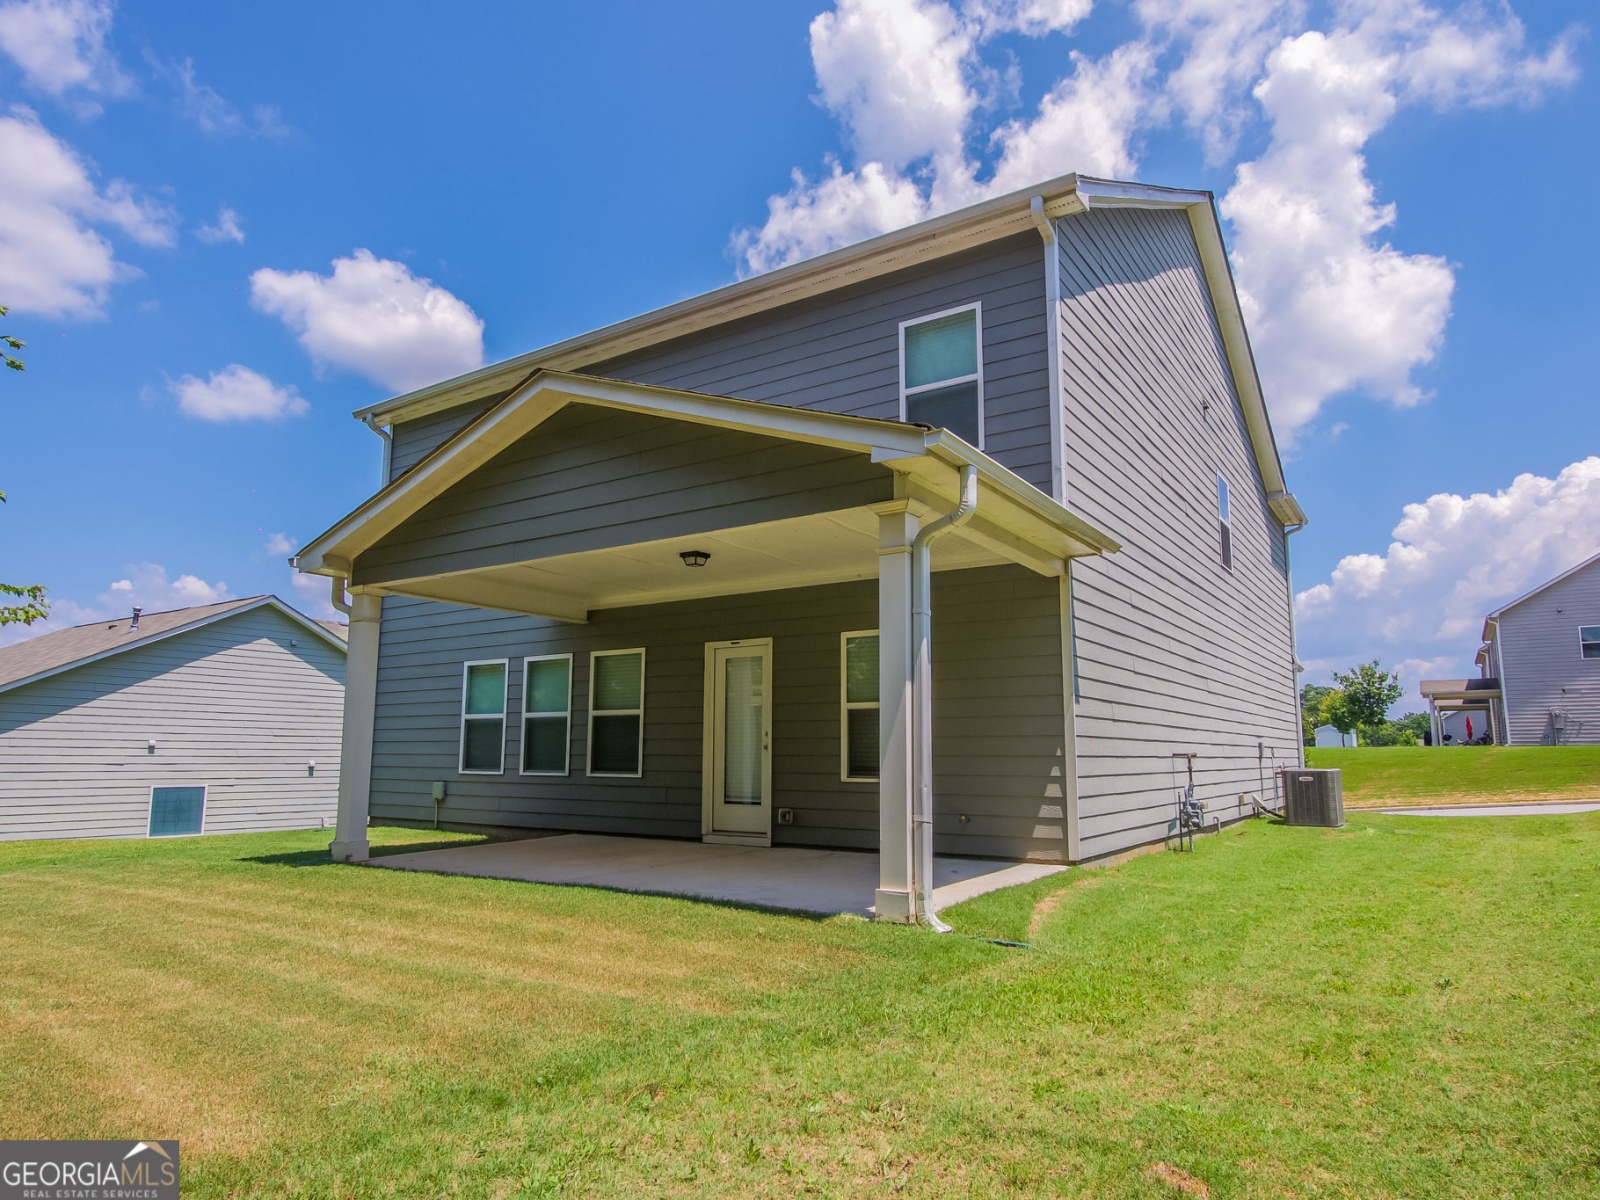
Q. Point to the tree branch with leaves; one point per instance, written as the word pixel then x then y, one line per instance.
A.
pixel 34 607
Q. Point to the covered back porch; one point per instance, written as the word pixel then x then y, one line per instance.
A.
pixel 747 575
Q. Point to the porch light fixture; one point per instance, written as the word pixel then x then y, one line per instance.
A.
pixel 694 558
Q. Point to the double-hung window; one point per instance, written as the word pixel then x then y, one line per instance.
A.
pixel 1589 641
pixel 546 714
pixel 858 698
pixel 483 717
pixel 616 712
pixel 1225 520
pixel 941 373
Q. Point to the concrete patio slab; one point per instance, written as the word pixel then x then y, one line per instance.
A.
pixel 1535 808
pixel 813 881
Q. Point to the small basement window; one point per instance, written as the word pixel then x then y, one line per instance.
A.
pixel 1225 518
pixel 1589 640
pixel 858 697
pixel 177 811
pixel 546 714
pixel 483 717
pixel 941 377
pixel 616 713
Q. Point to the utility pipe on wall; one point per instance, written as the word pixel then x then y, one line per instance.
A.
pixel 371 422
pixel 922 695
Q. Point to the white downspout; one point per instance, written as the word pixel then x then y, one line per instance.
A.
pixel 922 695
pixel 387 435
pixel 1052 341
pixel 339 599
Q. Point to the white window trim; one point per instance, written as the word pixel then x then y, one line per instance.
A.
pixel 1581 641
pixel 1224 490
pixel 150 809
pixel 846 705
pixel 505 684
pixel 976 307
pixel 588 747
pixel 522 738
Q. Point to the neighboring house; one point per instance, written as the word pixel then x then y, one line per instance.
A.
pixel 217 719
pixel 1329 737
pixel 1539 668
pixel 658 579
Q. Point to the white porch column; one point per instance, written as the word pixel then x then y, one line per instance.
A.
pixel 897 527
pixel 360 703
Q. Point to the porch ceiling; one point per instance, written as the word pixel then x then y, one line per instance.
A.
pixel 834 547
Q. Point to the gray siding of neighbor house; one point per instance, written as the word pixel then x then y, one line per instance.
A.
pixel 841 353
pixel 593 477
pixel 1174 653
pixel 998 724
pixel 1541 668
pixel 230 705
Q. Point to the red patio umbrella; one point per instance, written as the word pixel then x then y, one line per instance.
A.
pixel 1469 729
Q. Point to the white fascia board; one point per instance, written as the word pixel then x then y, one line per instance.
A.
pixel 331 553
pixel 199 623
pixel 1114 193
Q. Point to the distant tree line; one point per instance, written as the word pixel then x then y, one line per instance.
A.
pixel 1359 702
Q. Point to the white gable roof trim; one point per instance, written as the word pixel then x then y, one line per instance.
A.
pixel 1548 583
pixel 938 237
pixel 894 444
pixel 212 618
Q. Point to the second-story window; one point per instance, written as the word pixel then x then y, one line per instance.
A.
pixel 1225 517
pixel 941 373
pixel 1589 641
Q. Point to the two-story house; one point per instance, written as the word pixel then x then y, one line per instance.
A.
pixel 973 536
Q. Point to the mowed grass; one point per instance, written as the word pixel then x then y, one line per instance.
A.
pixel 1402 1008
pixel 1388 776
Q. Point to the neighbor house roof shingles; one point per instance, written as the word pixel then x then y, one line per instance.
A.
pixel 52 652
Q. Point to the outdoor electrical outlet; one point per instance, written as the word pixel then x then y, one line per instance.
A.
pixel 786 816
pixel 438 793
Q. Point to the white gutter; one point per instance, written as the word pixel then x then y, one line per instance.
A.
pixel 374 424
pixel 338 599
pixel 922 696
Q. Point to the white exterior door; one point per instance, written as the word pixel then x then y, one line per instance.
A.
pixel 738 742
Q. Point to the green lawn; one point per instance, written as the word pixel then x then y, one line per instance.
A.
pixel 1395 775
pixel 1402 1008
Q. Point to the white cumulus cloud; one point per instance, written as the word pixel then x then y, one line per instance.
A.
pixel 313 595
pixel 374 317
pixel 1335 306
pixel 280 545
pixel 211 113
pixel 226 228
pixel 1421 602
pixel 60 45
pixel 54 259
pixel 236 393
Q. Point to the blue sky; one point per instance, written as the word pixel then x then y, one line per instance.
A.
pixel 545 170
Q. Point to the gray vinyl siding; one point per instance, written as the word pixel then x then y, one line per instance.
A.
pixel 231 705
pixel 1175 653
pixel 1541 669
pixel 841 353
pixel 414 440
pixel 999 723
pixel 591 478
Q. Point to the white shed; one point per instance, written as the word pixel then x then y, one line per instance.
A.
pixel 1329 737
pixel 224 718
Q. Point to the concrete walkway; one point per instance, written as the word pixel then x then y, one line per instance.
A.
pixel 1544 808
pixel 814 881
